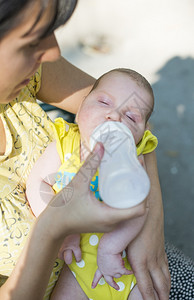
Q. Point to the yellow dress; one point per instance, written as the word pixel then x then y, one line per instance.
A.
pixel 68 147
pixel 28 133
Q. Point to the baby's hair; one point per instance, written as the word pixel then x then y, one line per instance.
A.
pixel 137 77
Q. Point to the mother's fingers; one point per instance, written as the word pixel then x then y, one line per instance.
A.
pixel 144 282
pixel 161 279
pixel 89 168
pixel 166 272
pixel 83 178
pixel 153 280
pixel 115 215
pixel 161 284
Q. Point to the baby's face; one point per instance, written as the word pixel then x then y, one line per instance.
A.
pixel 116 98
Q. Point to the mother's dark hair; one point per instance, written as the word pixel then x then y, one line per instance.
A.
pixel 11 12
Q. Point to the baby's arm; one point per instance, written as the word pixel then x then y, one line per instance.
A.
pixel 39 192
pixel 111 246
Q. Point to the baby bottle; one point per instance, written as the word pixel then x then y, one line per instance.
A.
pixel 123 182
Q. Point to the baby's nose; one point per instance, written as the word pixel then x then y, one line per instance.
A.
pixel 113 115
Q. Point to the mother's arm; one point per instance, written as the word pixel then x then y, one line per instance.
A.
pixel 64 85
pixel 146 253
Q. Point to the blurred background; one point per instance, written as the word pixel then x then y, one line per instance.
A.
pixel 156 38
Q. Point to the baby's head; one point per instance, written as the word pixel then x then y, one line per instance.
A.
pixel 121 95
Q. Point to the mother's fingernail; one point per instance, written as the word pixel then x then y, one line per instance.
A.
pixel 99 149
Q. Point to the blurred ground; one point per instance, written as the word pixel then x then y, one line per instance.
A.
pixel 156 39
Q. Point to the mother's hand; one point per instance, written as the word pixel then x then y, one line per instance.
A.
pixel 75 208
pixel 148 260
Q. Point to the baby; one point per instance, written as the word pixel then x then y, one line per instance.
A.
pixel 120 95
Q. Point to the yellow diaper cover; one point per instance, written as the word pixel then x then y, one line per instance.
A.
pixel 84 272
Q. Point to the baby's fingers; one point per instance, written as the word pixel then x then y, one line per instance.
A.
pixel 111 282
pixel 123 272
pixel 67 254
pixel 77 253
pixel 97 277
pixel 126 272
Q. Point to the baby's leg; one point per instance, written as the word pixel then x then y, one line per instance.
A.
pixel 136 295
pixel 67 287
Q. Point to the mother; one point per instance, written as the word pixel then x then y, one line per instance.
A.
pixel 30 68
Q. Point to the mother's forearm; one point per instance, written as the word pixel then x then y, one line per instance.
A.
pixel 155 197
pixel 64 85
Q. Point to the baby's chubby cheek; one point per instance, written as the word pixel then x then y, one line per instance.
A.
pixel 135 133
pixel 88 118
pixel 84 113
pixel 86 127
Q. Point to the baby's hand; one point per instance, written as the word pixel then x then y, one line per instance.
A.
pixel 70 246
pixel 109 266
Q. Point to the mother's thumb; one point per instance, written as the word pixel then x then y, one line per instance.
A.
pixel 87 171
